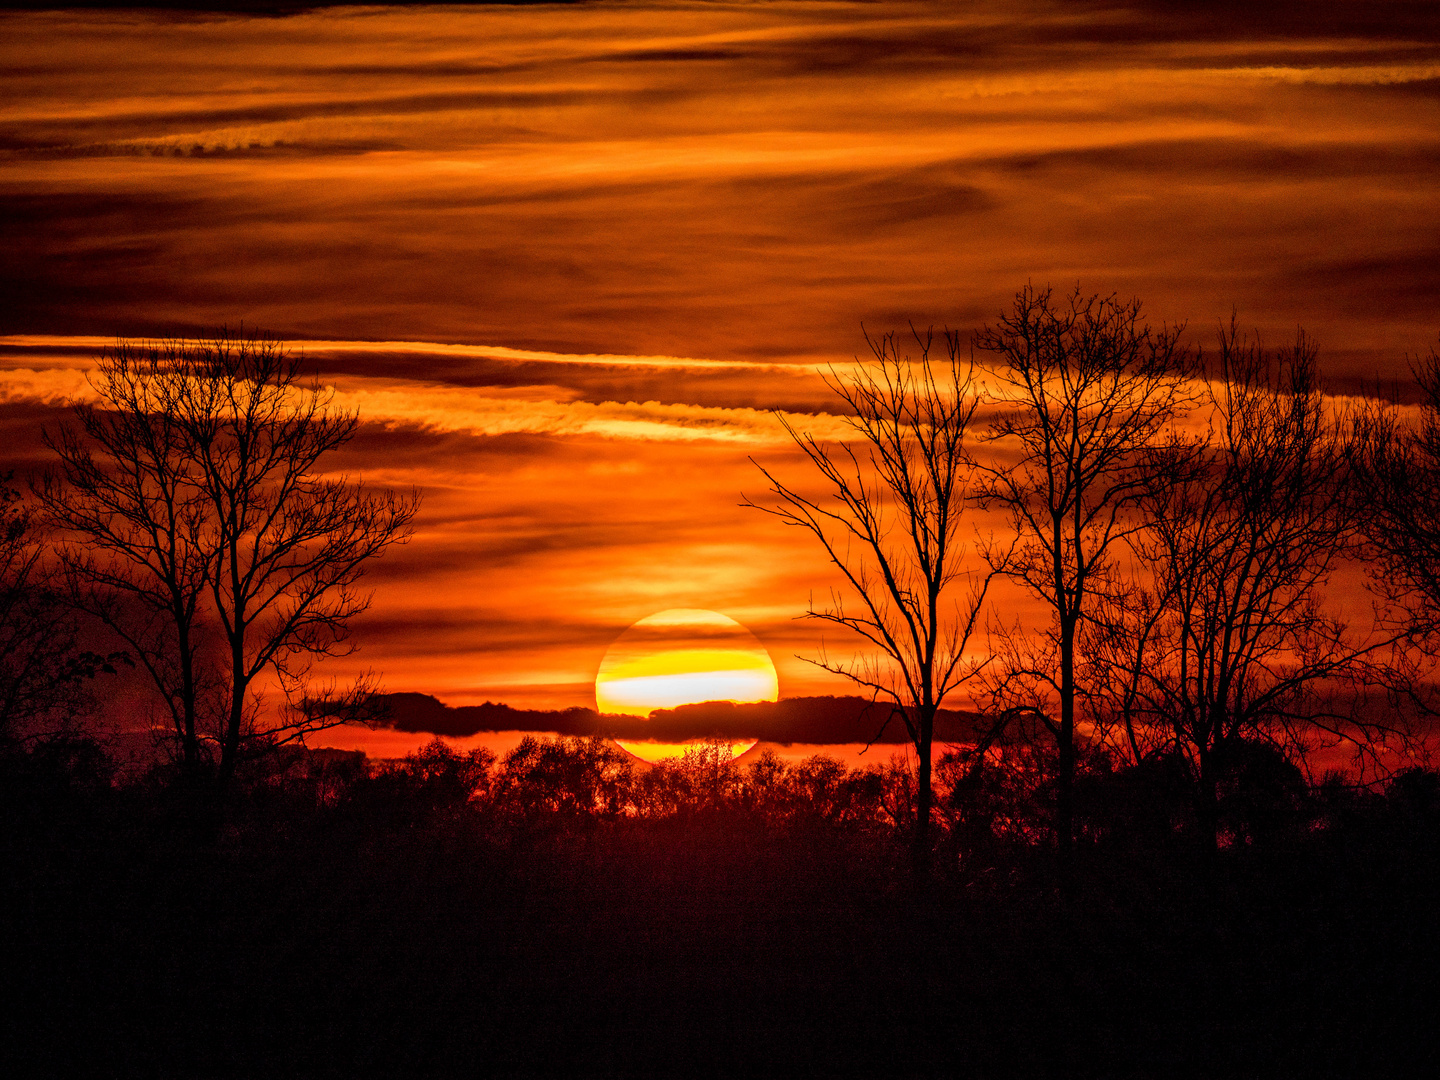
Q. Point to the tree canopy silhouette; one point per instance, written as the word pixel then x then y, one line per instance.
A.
pixel 1086 390
pixel 192 494
pixel 1397 462
pixel 891 525
pixel 1227 638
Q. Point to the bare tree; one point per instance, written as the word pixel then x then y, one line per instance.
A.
pixel 208 502
pixel 1086 391
pixel 43 671
pixel 289 544
pixel 897 494
pixel 135 530
pixel 1226 639
pixel 1397 464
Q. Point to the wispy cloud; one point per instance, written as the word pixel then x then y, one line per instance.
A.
pixel 84 347
pixel 533 410
pixel 56 386
pixel 457 410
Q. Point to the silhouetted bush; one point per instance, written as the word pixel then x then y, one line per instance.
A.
pixel 1147 806
pixel 433 785
pixel 567 778
pixel 1262 794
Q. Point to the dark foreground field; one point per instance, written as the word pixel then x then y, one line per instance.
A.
pixel 398 930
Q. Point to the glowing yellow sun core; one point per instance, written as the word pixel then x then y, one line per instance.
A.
pixel 681 657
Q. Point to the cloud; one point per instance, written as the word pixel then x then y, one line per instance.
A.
pixel 45 387
pixel 436 409
pixel 511 410
pixel 794 170
pixel 328 349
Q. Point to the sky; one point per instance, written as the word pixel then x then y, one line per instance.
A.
pixel 569 263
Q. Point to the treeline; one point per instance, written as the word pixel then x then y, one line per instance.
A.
pixel 565 910
pixel 991 811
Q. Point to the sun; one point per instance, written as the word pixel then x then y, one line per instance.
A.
pixel 682 656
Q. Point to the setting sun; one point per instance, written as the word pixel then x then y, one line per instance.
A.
pixel 682 656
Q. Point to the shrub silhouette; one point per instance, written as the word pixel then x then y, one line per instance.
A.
pixel 566 778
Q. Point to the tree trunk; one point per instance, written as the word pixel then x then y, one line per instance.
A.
pixel 230 750
pixel 1207 806
pixel 189 739
pixel 195 788
pixel 924 796
pixel 1065 771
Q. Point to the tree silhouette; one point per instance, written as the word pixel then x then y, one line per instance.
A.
pixel 1397 466
pixel 570 778
pixel 207 502
pixel 1086 391
pixel 891 526
pixel 43 671
pixel 134 526
pixel 1226 639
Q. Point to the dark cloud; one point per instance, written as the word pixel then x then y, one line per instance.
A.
pixel 792 388
pixel 98 134
pixel 1145 19
pixel 1237 161
pixel 481 631
pixel 1401 282
pixel 806 720
pixel 21 423
pixel 868 203
pixel 1223 20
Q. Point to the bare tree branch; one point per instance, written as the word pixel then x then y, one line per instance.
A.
pixel 891 526
pixel 1228 640
pixel 208 502
pixel 1086 392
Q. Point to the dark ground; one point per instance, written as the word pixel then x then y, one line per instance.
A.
pixel 385 937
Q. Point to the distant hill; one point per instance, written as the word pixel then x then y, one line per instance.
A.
pixel 819 720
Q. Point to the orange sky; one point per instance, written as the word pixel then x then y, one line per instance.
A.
pixel 647 224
